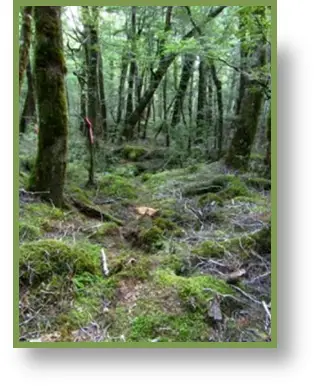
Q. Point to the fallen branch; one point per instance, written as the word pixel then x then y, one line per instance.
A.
pixel 92 212
pixel 104 263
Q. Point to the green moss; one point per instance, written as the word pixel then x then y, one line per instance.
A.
pixel 168 226
pixel 235 188
pixel 194 286
pixel 241 245
pixel 40 260
pixel 209 249
pixel 172 262
pixel 133 153
pixel 106 229
pixel 169 328
pixel 28 232
pixel 151 239
pixel 209 198
pixel 259 183
pixel 133 265
pixel 112 185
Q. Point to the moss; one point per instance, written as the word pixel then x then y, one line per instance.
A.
pixel 235 188
pixel 194 286
pixel 210 198
pixel 40 260
pixel 169 328
pixel 106 229
pixel 259 183
pixel 151 239
pixel 133 153
pixel 241 245
pixel 168 226
pixel 132 265
pixel 172 262
pixel 112 185
pixel 28 232
pixel 209 249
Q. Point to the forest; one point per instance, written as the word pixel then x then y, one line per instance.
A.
pixel 145 174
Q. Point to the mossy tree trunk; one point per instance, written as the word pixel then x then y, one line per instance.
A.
pixel 186 73
pixel 249 109
pixel 268 151
pixel 122 80
pixel 102 96
pixel 29 108
pixel 201 102
pixel 128 131
pixel 93 107
pixel 25 42
pixel 50 70
pixel 218 86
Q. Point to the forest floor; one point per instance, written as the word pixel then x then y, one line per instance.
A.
pixel 175 256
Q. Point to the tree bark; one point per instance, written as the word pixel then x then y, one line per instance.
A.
pixel 186 73
pixel 49 73
pixel 25 42
pixel 249 111
pixel 218 85
pixel 201 103
pixel 29 108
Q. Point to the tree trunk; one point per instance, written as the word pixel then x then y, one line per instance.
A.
pixel 93 107
pixel 49 73
pixel 29 108
pixel 102 97
pixel 186 73
pixel 268 152
pixel 201 104
pixel 218 86
pixel 25 42
pixel 121 98
pixel 128 131
pixel 249 111
pixel 164 63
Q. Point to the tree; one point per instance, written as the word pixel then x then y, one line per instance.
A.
pixel 164 63
pixel 25 44
pixel 49 70
pixel 29 108
pixel 250 103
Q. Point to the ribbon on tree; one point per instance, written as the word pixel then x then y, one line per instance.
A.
pixel 90 130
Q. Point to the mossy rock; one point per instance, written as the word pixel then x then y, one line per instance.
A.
pixel 133 153
pixel 42 259
pixel 28 232
pixel 209 198
pixel 259 183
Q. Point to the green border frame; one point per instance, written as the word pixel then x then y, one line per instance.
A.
pixel 16 344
